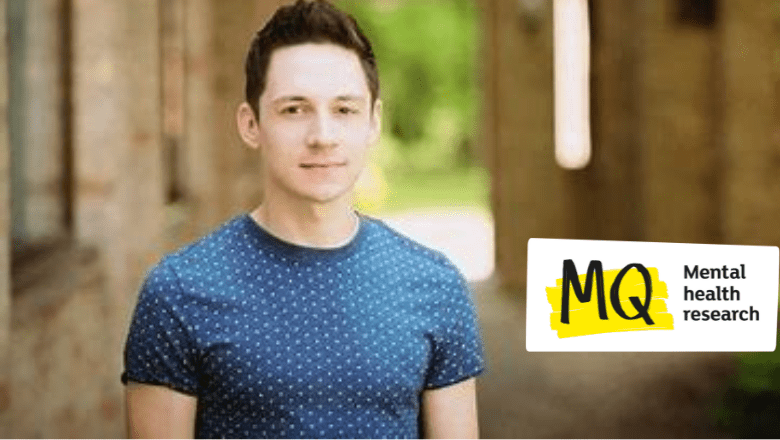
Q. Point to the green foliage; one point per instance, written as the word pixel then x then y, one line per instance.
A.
pixel 462 187
pixel 751 403
pixel 759 371
pixel 426 53
pixel 408 191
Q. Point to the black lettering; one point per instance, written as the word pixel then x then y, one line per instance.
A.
pixel 715 315
pixel 686 312
pixel 752 310
pixel 692 273
pixel 695 315
pixel 570 277
pixel 642 309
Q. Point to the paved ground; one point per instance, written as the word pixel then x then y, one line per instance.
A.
pixel 565 395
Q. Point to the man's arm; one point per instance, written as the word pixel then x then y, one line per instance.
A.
pixel 450 412
pixel 159 412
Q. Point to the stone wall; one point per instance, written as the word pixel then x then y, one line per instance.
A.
pixel 69 312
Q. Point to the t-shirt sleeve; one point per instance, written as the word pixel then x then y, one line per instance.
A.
pixel 159 348
pixel 457 344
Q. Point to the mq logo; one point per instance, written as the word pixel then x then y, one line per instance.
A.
pixel 626 287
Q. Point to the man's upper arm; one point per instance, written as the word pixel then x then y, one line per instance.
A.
pixel 155 411
pixel 161 350
pixel 451 411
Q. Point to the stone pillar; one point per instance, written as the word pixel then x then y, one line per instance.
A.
pixel 200 149
pixel 235 23
pixel 5 236
pixel 527 185
pixel 223 176
pixel 118 154
pixel 752 184
pixel 681 153
pixel 16 51
pixel 117 129
pixel 173 75
pixel 44 157
pixel 605 199
pixel 36 128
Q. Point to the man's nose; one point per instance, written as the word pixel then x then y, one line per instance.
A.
pixel 322 132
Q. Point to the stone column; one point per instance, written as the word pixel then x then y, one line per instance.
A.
pixel 527 183
pixel 222 176
pixel 605 199
pixel 751 131
pixel 5 237
pixel 118 153
pixel 117 131
pixel 679 102
pixel 235 23
pixel 173 75
pixel 44 157
pixel 199 153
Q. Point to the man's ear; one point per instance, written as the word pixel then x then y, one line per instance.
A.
pixel 376 122
pixel 248 125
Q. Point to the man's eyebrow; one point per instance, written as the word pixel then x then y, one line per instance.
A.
pixel 296 98
pixel 293 98
pixel 350 98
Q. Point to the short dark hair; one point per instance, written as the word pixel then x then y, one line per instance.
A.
pixel 306 21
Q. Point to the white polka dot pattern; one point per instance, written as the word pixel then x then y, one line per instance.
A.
pixel 278 340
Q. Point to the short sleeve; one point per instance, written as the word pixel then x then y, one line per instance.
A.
pixel 159 348
pixel 457 344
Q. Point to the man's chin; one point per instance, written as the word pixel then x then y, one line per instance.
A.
pixel 327 196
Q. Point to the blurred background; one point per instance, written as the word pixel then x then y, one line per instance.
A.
pixel 119 144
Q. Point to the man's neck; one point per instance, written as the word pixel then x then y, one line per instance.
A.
pixel 311 225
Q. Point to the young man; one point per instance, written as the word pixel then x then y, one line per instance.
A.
pixel 304 318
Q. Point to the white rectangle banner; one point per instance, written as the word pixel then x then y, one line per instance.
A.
pixel 589 295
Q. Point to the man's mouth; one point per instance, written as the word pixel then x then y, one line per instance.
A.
pixel 322 165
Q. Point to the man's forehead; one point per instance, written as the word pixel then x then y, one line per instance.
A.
pixel 315 70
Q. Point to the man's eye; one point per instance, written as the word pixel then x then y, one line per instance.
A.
pixel 347 110
pixel 292 110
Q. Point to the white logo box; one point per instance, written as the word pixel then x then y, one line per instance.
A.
pixel 759 289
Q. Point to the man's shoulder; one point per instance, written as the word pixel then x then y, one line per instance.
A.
pixel 206 251
pixel 224 238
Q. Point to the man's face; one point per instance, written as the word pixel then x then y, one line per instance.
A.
pixel 316 122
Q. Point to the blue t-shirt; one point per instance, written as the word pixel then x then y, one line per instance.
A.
pixel 280 340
